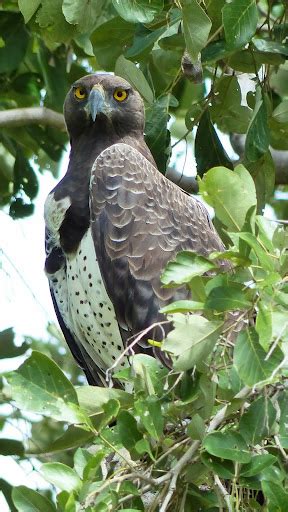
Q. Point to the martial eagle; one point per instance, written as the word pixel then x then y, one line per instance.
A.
pixel 112 224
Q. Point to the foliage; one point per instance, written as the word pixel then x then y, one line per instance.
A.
pixel 46 45
pixel 212 432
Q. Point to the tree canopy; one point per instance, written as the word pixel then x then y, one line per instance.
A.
pixel 212 433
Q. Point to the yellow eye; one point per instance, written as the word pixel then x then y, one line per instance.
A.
pixel 120 94
pixel 80 93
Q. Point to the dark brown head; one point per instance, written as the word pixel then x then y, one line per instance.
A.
pixel 106 100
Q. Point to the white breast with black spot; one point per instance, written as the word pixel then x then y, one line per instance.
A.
pixel 91 313
pixel 80 294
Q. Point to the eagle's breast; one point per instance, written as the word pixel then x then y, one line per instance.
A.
pixel 92 317
pixel 81 295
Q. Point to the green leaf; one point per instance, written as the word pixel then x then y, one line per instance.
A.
pixel 6 490
pixel 64 477
pixel 263 174
pixel 92 398
pixel 277 497
pixel 258 138
pixel 231 193
pixel 214 9
pixel 227 298
pixel 240 19
pixel 268 46
pixel 257 421
pixel 264 324
pixel 196 428
pixel 110 410
pixel 191 340
pixel 27 500
pixel 127 429
pixel 227 445
pixel 143 446
pixel 83 13
pixel 283 431
pixel 110 40
pixel 92 467
pixel 227 111
pixel 215 51
pixel 7 347
pixel 175 42
pixel 16 38
pixel 196 28
pixel 223 468
pixel 143 41
pixel 257 464
pixel 40 386
pixel 24 176
pixel 186 265
pixel 138 11
pixel 182 306
pixel 28 8
pixel 157 136
pixel 50 17
pixel 53 67
pixel 150 376
pixel 249 358
pixel 265 259
pixel 280 113
pixel 209 151
pixel 11 447
pixel 135 77
pixel 193 115
pixel 149 411
pixel 72 438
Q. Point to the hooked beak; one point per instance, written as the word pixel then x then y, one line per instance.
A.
pixel 96 101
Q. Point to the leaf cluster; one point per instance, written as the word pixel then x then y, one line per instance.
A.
pixel 45 45
pixel 210 434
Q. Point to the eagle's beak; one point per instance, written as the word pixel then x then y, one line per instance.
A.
pixel 96 101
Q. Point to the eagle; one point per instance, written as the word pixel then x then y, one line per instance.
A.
pixel 112 224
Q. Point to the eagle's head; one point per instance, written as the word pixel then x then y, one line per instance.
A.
pixel 106 101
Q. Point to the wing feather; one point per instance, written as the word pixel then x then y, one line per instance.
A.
pixel 140 220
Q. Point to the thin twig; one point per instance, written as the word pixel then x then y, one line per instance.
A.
pixel 171 449
pixel 274 345
pixel 278 444
pixel 129 347
pixel 119 479
pixel 223 491
pixel 175 471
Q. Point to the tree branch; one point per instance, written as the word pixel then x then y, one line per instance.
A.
pixel 16 117
pixel 280 158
